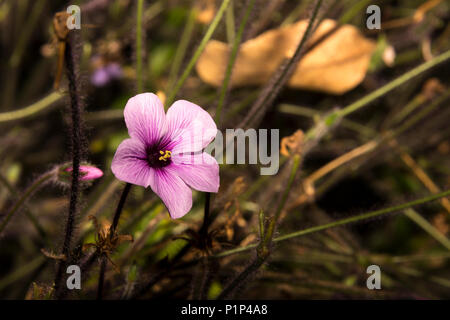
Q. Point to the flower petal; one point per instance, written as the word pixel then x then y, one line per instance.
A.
pixel 145 118
pixel 200 171
pixel 189 127
pixel 130 164
pixel 175 194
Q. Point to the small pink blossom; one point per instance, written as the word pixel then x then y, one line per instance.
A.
pixel 105 74
pixel 88 172
pixel 165 151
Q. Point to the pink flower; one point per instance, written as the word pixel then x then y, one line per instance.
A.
pixel 88 172
pixel 165 151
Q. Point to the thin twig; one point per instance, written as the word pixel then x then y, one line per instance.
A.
pixel 341 222
pixel 123 198
pixel 280 77
pixel 39 183
pixel 101 277
pixel 232 59
pixel 212 27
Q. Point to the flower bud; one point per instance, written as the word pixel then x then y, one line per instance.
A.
pixel 87 173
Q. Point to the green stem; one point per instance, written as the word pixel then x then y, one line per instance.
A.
pixel 229 20
pixel 295 165
pixel 240 279
pixel 273 222
pixel 365 216
pixel 394 84
pixel 334 116
pixel 139 69
pixel 212 27
pixel 234 52
pixel 279 78
pixel 428 227
pixel 263 250
pixel 262 222
pixel 30 190
pixel 421 114
pixel 342 222
pixel 295 13
pixel 354 10
pixel 12 190
pixel 260 182
pixel 182 48
pixel 313 113
pixel 22 272
pixel 27 32
pixel 31 109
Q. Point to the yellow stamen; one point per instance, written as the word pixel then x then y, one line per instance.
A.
pixel 165 155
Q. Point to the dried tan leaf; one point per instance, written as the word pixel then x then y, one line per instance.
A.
pixel 432 88
pixel 335 65
pixel 238 186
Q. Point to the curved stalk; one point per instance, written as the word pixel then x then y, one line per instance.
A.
pixel 212 27
pixel 40 182
pixel 341 222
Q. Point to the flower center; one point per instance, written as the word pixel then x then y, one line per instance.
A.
pixel 159 158
pixel 165 155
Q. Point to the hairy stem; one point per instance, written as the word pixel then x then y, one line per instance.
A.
pixel 341 222
pixel 75 107
pixel 123 198
pixel 101 277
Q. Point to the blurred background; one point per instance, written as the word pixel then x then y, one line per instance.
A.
pixel 343 62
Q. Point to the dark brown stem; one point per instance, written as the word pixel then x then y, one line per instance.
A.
pixel 119 209
pixel 206 219
pixel 159 276
pixel 112 231
pixel 242 277
pixel 101 277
